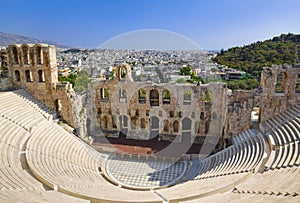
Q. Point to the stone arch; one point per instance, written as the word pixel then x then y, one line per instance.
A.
pixel 142 96
pixel 28 76
pixel 122 95
pixel 41 76
pixel 25 54
pixel 17 76
pixel 175 126
pixel 154 97
pixel 123 122
pixel 14 52
pixel 57 105
pixel 123 72
pixel 187 97
pixel 39 55
pixel 186 129
pixel 166 125
pixel 143 123
pixel 154 127
pixel 186 124
pixel 103 94
pixel 166 96
pixel 281 82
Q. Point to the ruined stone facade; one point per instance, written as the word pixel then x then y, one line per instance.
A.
pixel 280 90
pixel 33 68
pixel 146 110
pixel 168 111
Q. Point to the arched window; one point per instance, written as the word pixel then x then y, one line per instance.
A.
pixel 166 125
pixel 17 76
pixel 297 90
pixel 103 94
pixel 143 123
pixel 41 76
pixel 281 82
pixel 57 105
pixel 123 121
pixel 175 126
pixel 166 97
pixel 28 76
pixel 38 52
pixel 25 53
pixel 122 73
pixel 187 97
pixel 154 97
pixel 15 55
pixel 142 96
pixel 186 124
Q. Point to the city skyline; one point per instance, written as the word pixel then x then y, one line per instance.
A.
pixel 211 25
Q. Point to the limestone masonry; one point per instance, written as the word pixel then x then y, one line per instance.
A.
pixel 144 110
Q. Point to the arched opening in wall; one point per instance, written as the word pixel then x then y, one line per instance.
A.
pixel 5 72
pixel 122 73
pixel 154 97
pixel 143 123
pixel 17 76
pixel 39 55
pixel 41 76
pixel 281 83
pixel 28 76
pixel 25 52
pixel 187 97
pixel 166 126
pixel 255 117
pixel 166 97
pixel 297 88
pixel 104 94
pixel 186 129
pixel 176 126
pixel 104 122
pixel 122 95
pixel 15 55
pixel 57 106
pixel 154 127
pixel 142 96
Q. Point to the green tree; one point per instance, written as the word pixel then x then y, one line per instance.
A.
pixel 186 70
pixel 82 82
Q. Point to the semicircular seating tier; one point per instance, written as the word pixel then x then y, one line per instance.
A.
pixel 40 161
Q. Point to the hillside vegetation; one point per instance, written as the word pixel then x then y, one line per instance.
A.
pixel 252 58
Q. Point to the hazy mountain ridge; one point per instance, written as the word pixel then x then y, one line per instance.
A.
pixel 9 38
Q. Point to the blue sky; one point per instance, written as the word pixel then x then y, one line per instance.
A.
pixel 211 24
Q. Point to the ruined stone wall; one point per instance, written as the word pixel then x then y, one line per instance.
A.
pixel 33 68
pixel 279 91
pixel 238 114
pixel 184 115
pixel 190 112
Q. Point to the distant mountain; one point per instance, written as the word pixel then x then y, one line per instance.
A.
pixel 8 38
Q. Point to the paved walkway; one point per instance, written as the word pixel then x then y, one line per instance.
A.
pixel 144 173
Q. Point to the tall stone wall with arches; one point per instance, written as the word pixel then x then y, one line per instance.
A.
pixel 33 68
pixel 201 113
